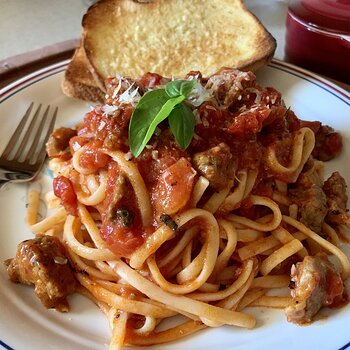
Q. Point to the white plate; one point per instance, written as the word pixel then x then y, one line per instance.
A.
pixel 25 324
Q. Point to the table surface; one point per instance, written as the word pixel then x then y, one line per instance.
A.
pixel 27 25
pixel 34 30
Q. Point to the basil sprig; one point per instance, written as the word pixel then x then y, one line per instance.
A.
pixel 157 105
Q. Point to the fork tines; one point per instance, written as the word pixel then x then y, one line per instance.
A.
pixel 26 147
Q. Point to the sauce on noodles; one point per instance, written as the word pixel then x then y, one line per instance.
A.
pixel 255 120
pixel 204 231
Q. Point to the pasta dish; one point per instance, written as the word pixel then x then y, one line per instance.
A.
pixel 202 197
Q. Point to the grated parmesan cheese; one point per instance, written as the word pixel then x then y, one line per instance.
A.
pixel 257 93
pixel 199 94
pixel 101 125
pixel 109 110
pixel 130 96
pixel 155 154
pixel 117 89
pixel 76 146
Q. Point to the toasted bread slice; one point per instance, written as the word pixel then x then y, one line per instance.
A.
pixel 78 82
pixel 172 37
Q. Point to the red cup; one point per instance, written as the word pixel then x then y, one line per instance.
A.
pixel 318 36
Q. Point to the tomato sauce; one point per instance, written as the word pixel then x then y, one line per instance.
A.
pixel 63 189
pixel 110 130
pixel 93 158
pixel 174 187
pixel 254 120
pixel 162 154
pixel 150 80
pixel 122 238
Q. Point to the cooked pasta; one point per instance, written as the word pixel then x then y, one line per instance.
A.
pixel 207 231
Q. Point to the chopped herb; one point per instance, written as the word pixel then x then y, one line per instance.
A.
pixel 169 221
pixel 126 216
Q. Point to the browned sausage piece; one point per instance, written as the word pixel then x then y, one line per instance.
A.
pixel 314 283
pixel 337 198
pixel 43 262
pixel 58 142
pixel 216 164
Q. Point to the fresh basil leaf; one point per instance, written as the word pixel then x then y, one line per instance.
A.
pixel 152 109
pixel 182 122
pixel 177 88
pixel 187 87
pixel 147 108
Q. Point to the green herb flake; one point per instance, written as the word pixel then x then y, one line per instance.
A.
pixel 167 220
pixel 126 216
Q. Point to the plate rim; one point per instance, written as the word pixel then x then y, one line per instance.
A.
pixel 43 73
pixel 58 67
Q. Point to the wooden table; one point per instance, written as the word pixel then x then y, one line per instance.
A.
pixel 16 67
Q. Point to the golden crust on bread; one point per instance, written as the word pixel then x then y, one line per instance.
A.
pixel 171 37
pixel 168 37
pixel 78 82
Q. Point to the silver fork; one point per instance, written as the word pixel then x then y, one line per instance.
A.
pixel 25 152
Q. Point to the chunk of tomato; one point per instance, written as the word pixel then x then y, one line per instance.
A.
pixel 122 237
pixel 121 240
pixel 63 189
pixel 93 158
pixel 174 187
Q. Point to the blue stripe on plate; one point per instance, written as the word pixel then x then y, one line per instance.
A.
pixel 5 346
pixel 346 346
pixel 300 75
pixel 31 83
